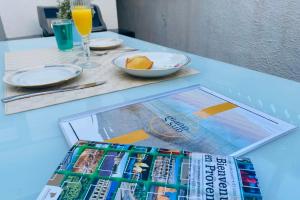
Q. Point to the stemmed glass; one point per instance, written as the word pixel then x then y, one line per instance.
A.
pixel 82 17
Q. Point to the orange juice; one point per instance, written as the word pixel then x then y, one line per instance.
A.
pixel 82 17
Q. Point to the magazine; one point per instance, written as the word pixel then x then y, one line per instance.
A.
pixel 94 170
pixel 192 119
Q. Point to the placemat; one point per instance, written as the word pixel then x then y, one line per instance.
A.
pixel 116 79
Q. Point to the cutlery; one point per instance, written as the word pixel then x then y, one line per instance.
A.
pixel 113 51
pixel 64 89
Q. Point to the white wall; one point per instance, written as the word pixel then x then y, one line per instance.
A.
pixel 20 17
pixel 263 35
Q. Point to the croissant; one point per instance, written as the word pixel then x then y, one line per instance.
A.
pixel 139 62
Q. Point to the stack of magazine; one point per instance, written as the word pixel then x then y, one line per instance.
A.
pixel 94 170
pixel 135 160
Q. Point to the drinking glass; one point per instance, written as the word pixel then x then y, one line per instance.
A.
pixel 82 17
pixel 63 34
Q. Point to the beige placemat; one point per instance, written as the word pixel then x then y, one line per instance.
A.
pixel 116 79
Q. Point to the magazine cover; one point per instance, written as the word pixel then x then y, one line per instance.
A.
pixel 192 119
pixel 94 170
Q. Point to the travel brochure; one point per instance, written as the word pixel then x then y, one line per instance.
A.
pixel 192 119
pixel 95 170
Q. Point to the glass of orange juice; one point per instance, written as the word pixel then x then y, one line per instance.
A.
pixel 82 17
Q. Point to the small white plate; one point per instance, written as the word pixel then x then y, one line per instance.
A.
pixel 105 43
pixel 43 76
pixel 163 63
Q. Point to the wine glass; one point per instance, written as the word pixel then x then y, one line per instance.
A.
pixel 82 17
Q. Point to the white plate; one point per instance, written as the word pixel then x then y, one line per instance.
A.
pixel 163 63
pixel 105 43
pixel 43 76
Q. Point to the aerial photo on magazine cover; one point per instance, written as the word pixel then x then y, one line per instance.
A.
pixel 93 171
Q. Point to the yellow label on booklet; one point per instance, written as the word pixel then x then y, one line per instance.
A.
pixel 130 138
pixel 213 110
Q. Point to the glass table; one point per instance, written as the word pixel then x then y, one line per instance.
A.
pixel 32 145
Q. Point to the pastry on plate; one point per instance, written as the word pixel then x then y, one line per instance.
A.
pixel 139 62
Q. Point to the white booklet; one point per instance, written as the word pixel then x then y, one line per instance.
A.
pixel 193 119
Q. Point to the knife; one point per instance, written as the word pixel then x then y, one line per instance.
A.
pixel 64 89
pixel 112 52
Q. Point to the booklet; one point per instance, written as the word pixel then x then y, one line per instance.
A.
pixel 192 119
pixel 94 170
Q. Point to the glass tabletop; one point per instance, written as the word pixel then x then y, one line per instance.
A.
pixel 32 145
